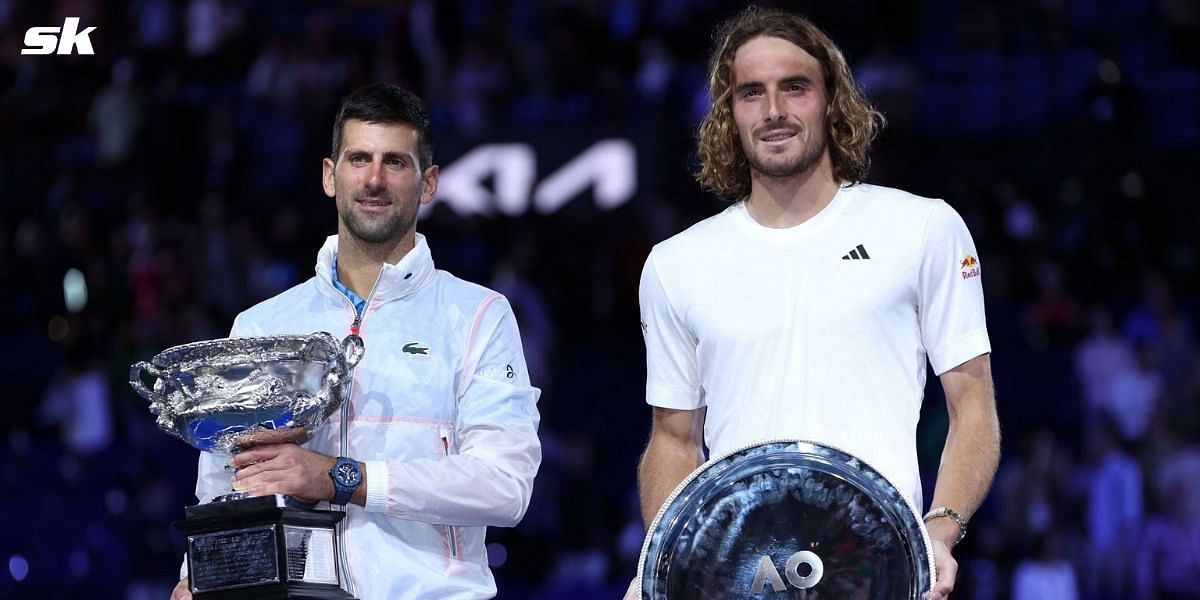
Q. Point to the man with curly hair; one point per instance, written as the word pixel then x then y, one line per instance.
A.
pixel 808 308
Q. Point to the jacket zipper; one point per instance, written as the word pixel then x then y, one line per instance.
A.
pixel 344 445
pixel 452 538
pixel 344 440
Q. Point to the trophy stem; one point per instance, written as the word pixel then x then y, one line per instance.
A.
pixel 232 495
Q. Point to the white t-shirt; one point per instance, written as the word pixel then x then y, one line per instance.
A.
pixel 819 331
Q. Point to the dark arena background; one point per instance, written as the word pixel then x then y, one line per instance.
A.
pixel 151 190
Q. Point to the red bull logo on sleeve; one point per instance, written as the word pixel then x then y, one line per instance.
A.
pixel 969 267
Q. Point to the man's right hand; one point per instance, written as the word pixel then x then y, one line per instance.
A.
pixel 181 591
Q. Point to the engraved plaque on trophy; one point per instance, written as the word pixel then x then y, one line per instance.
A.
pixel 223 396
pixel 786 519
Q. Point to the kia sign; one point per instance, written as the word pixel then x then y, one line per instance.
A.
pixel 519 183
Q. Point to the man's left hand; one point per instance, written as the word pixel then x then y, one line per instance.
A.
pixel 284 469
pixel 947 570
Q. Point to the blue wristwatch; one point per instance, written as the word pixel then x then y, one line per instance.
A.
pixel 346 477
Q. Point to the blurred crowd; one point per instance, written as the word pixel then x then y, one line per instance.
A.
pixel 151 191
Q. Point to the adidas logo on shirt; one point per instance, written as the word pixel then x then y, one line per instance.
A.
pixel 858 253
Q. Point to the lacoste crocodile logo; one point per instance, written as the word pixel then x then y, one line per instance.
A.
pixel 414 348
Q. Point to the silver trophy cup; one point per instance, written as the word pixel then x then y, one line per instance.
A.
pixel 227 395
pixel 786 519
pixel 222 395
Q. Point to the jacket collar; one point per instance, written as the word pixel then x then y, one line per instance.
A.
pixel 398 280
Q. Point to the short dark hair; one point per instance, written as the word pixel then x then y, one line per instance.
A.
pixel 386 103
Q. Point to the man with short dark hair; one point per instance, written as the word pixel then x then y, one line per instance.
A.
pixel 439 432
pixel 808 308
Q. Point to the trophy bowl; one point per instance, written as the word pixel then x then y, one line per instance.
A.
pixel 224 395
pixel 790 516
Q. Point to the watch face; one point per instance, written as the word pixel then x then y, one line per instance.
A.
pixel 347 473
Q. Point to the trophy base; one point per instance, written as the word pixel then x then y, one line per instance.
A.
pixel 262 547
pixel 286 591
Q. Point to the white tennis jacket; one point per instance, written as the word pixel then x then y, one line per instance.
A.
pixel 441 412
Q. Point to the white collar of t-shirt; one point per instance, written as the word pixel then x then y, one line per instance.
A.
pixel 741 216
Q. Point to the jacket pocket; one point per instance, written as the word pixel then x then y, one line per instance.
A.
pixel 452 533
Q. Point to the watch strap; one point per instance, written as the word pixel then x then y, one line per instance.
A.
pixel 950 513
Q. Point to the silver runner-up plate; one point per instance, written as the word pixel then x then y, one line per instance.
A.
pixel 786 519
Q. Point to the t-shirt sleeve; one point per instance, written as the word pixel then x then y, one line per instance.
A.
pixel 950 292
pixel 672 376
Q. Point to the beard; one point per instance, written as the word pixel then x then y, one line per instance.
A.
pixel 780 167
pixel 379 229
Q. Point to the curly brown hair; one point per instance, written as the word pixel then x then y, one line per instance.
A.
pixel 852 123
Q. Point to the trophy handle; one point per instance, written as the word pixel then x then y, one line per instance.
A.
pixel 135 380
pixel 352 350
